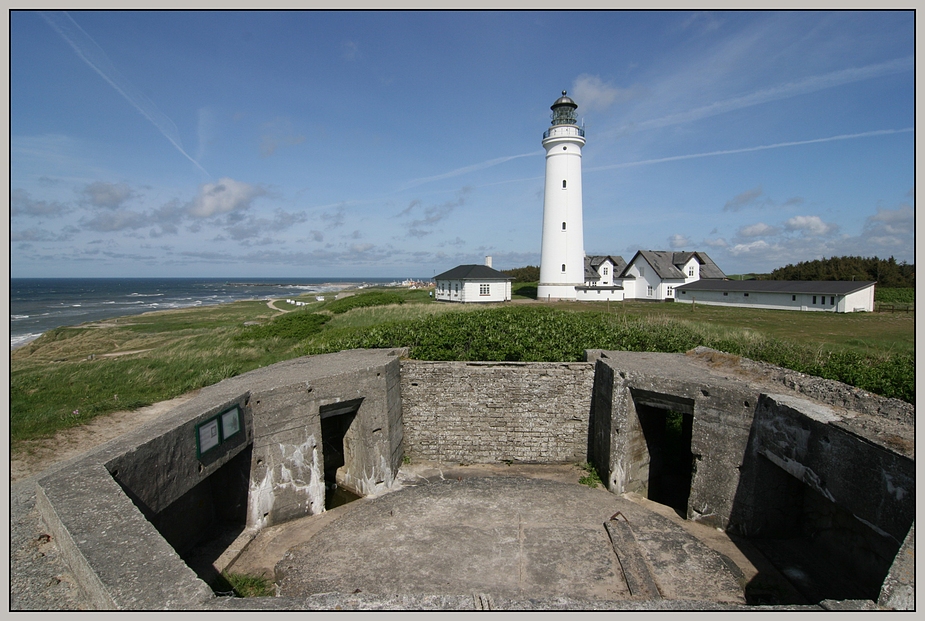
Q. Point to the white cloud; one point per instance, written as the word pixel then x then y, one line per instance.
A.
pixel 226 196
pixel 744 199
pixel 21 204
pixel 759 246
pixel 758 230
pixel 592 93
pixel 679 241
pixel 812 225
pixel 105 194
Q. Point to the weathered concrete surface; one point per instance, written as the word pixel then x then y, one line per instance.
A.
pixel 510 538
pixel 898 591
pixel 283 406
pixel 118 557
pixel 487 412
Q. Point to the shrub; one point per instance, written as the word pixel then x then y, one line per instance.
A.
pixel 298 325
pixel 371 298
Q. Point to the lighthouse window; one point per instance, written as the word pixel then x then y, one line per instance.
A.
pixel 563 184
pixel 565 148
pixel 563 269
pixel 563 226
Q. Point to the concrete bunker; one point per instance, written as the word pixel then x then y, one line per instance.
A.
pixel 336 423
pixel 737 455
pixel 662 463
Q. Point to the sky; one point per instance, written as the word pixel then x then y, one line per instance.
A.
pixel 401 144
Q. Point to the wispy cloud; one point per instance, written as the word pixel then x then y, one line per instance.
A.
pixel 779 145
pixel 92 54
pixel 811 84
pixel 467 169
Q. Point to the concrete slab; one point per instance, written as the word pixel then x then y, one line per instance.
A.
pixel 509 538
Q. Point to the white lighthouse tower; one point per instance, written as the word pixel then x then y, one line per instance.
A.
pixel 562 257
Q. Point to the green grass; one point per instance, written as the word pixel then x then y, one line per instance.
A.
pixel 70 375
pixel 246 585
pixel 592 479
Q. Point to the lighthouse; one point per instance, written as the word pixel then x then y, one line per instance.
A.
pixel 562 256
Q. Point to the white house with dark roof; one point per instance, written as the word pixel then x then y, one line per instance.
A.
pixel 656 274
pixel 601 279
pixel 472 283
pixel 834 296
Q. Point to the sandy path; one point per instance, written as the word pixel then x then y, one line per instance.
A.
pixel 36 456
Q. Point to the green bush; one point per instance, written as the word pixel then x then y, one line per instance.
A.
pixel 298 325
pixel 542 334
pixel 360 300
pixel 887 295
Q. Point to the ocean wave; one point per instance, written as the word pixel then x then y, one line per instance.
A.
pixel 21 339
pixel 15 317
pixel 145 295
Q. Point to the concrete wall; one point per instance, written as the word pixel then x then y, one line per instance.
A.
pixel 484 412
pixel 766 442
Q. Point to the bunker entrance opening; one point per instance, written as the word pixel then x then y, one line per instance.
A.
pixel 336 422
pixel 202 523
pixel 663 441
pixel 819 546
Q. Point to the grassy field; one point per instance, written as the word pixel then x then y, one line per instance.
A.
pixel 71 375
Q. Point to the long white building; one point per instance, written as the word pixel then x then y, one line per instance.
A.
pixel 834 296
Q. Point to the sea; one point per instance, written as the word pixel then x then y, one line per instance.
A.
pixel 41 304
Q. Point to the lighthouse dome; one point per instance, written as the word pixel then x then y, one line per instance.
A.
pixel 564 101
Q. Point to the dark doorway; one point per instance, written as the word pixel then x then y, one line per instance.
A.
pixel 202 523
pixel 671 463
pixel 336 420
pixel 823 550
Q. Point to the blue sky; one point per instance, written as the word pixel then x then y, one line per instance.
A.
pixel 380 144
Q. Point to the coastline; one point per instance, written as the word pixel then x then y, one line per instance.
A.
pixel 59 307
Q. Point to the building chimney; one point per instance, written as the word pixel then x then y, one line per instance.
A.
pixel 488 261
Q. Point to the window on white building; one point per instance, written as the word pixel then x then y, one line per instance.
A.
pixel 606 270
pixel 484 289
pixel 563 184
pixel 670 292
pixel 563 267
pixel 690 270
pixel 563 226
pixel 649 291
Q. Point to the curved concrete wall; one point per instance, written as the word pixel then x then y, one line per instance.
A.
pixel 751 428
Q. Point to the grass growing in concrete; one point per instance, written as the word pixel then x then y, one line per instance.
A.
pixel 592 479
pixel 70 375
pixel 246 585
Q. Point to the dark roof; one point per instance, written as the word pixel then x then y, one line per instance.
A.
pixel 708 269
pixel 472 272
pixel 823 287
pixel 662 262
pixel 592 263
pixel 667 264
pixel 564 101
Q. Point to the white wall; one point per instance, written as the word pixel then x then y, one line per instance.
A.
pixel 599 295
pixel 470 291
pixel 861 300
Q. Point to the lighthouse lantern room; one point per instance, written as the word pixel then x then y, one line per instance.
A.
pixel 562 254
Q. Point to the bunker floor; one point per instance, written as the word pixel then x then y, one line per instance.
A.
pixel 511 532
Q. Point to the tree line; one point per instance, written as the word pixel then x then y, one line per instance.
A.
pixel 887 272
pixel 530 273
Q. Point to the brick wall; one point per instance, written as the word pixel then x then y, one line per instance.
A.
pixel 486 412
